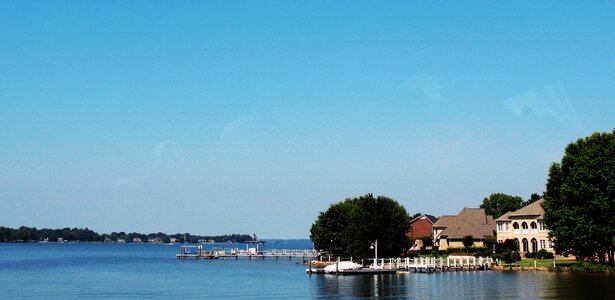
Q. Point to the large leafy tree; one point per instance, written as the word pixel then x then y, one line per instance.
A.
pixel 350 227
pixel 499 204
pixel 580 198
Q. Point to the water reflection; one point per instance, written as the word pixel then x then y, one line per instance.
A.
pixel 464 285
pixel 359 286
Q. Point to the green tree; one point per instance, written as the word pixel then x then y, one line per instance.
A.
pixel 580 198
pixel 490 242
pixel 468 242
pixel 327 233
pixel 533 198
pixel 510 256
pixel 6 234
pixel 348 228
pixel 499 204
pixel 26 234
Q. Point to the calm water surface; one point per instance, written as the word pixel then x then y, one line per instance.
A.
pixel 134 271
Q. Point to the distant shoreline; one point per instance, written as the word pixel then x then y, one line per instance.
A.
pixel 25 234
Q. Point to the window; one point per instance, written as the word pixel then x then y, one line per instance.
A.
pixel 533 225
pixel 516 226
pixel 506 227
pixel 500 226
pixel 541 225
pixel 542 244
pixel 550 244
pixel 524 225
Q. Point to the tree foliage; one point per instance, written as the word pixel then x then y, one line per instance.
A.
pixel 580 198
pixel 468 241
pixel 499 204
pixel 348 228
pixel 533 198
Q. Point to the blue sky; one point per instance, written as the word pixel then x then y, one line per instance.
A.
pixel 252 116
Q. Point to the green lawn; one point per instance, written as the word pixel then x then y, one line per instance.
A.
pixel 529 262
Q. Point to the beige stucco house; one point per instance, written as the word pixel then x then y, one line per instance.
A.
pixel 449 231
pixel 526 227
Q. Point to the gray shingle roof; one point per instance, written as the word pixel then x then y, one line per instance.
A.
pixel 469 221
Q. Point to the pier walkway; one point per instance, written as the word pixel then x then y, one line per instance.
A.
pixel 197 252
pixel 422 265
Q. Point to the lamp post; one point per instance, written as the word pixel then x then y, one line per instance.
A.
pixel 375 246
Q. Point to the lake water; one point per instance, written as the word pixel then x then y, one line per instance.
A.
pixel 135 271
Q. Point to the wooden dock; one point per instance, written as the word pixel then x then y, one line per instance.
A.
pixel 416 265
pixel 197 252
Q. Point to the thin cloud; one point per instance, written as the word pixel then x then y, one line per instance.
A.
pixel 234 130
pixel 163 147
pixel 122 182
pixel 429 85
pixel 549 100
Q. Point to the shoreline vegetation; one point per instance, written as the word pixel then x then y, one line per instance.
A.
pixel 557 265
pixel 25 234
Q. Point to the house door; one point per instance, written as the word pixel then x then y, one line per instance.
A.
pixel 525 245
pixel 534 245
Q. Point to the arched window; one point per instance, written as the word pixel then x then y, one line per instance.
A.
pixel 516 226
pixel 517 244
pixel 534 245
pixel 524 225
pixel 533 225
pixel 525 245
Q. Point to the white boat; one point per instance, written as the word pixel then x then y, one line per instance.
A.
pixel 342 266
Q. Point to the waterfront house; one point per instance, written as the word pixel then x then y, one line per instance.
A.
pixel 449 231
pixel 526 227
pixel 421 226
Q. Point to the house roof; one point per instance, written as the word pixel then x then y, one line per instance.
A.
pixel 533 209
pixel 429 218
pixel 469 221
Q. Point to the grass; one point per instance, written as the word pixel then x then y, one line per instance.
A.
pixel 544 263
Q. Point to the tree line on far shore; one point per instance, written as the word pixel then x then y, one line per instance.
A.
pixel 25 234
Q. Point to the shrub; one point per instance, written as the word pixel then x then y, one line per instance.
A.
pixel 549 255
pixel 508 244
pixel 490 242
pixel 468 241
pixel 589 267
pixel 510 257
pixel 482 251
pixel 450 250
pixel 541 254
pixel 435 251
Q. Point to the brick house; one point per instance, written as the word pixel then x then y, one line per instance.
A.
pixel 421 226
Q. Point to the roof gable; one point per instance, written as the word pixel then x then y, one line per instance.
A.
pixel 429 218
pixel 533 209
